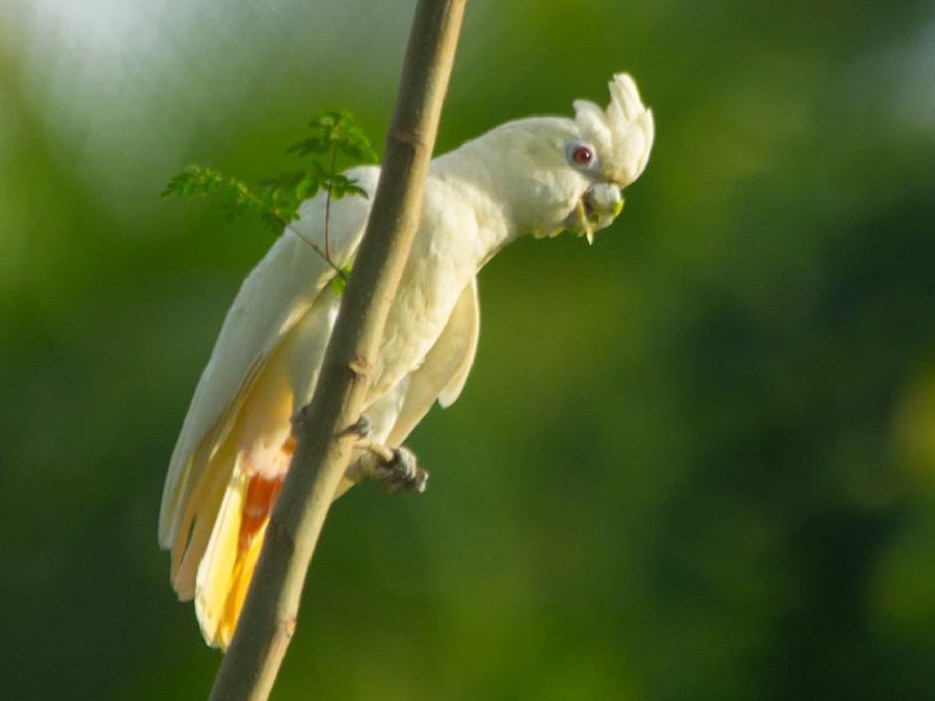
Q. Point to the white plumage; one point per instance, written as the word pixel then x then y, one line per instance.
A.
pixel 535 176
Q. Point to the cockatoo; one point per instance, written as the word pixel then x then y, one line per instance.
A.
pixel 538 176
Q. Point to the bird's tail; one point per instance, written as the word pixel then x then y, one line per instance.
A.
pixel 230 558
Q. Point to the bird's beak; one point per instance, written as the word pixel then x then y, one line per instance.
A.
pixel 595 210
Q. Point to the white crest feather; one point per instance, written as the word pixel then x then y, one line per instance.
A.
pixel 623 132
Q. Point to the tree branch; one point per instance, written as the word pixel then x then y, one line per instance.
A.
pixel 268 619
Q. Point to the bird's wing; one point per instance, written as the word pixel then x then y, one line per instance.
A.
pixel 445 369
pixel 280 291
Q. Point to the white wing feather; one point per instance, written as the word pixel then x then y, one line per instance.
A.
pixel 443 373
pixel 276 294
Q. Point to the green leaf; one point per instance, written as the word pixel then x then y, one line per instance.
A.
pixel 335 133
pixel 339 281
pixel 276 201
pixel 200 181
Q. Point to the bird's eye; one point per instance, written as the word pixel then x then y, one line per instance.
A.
pixel 581 155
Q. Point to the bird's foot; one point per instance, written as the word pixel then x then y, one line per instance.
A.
pixel 299 418
pixel 360 428
pixel 396 468
pixel 402 473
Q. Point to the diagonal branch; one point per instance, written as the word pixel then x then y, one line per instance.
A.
pixel 267 621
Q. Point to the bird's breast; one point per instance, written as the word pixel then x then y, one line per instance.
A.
pixel 435 276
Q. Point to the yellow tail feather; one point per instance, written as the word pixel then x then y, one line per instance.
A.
pixel 239 583
pixel 217 567
pixel 230 558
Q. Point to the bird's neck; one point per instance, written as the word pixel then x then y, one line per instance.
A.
pixel 478 189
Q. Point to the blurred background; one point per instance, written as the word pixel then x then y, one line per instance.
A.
pixel 695 461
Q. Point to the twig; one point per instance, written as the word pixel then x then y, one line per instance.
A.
pixel 334 158
pixel 268 619
pixel 287 223
pixel 324 255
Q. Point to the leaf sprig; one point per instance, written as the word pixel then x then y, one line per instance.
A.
pixel 336 130
pixel 334 135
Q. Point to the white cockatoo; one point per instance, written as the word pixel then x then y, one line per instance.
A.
pixel 537 176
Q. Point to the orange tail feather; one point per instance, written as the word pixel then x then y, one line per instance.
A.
pixel 225 572
pixel 261 494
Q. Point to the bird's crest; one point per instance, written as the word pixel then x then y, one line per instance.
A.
pixel 623 132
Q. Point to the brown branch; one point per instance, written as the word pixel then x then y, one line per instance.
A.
pixel 268 619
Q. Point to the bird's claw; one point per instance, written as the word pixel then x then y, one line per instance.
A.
pixel 299 418
pixel 402 473
pixel 396 468
pixel 360 428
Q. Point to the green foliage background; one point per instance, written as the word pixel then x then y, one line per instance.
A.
pixel 695 461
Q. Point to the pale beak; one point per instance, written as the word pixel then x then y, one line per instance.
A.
pixel 596 210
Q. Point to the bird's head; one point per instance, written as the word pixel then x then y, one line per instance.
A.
pixel 619 139
pixel 561 174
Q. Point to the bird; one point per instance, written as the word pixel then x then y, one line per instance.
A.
pixel 537 176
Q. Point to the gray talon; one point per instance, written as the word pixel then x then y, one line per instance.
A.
pixel 396 468
pixel 401 473
pixel 361 427
pixel 299 417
